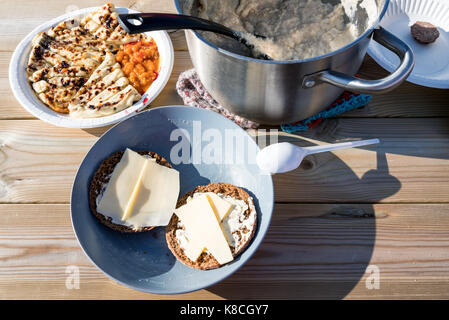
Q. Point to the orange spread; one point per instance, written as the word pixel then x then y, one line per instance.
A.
pixel 140 63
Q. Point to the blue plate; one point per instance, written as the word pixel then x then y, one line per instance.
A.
pixel 143 261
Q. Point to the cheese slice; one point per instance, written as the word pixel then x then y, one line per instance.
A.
pixel 121 185
pixel 140 192
pixel 221 207
pixel 204 230
pixel 195 248
pixel 135 193
pixel 157 196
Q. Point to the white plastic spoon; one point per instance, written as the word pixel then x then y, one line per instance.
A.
pixel 284 156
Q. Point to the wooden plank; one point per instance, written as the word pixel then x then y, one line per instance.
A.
pixel 38 162
pixel 310 251
pixel 412 153
pixel 323 251
pixel 318 249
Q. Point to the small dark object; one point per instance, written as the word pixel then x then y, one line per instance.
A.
pixel 424 32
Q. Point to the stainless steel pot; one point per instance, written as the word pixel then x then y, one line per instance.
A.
pixel 277 92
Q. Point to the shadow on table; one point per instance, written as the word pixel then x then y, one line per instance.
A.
pixel 428 139
pixel 315 251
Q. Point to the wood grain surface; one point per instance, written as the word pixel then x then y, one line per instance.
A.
pixel 336 218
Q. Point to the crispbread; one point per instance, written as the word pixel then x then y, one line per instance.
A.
pixel 207 261
pixel 101 179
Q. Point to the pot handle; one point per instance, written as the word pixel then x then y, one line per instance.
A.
pixel 386 39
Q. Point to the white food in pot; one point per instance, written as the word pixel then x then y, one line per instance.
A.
pixel 295 29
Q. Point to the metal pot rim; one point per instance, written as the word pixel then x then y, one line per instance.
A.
pixel 238 56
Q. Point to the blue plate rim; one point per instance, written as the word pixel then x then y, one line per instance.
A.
pixel 156 291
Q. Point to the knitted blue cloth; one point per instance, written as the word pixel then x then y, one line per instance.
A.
pixel 346 102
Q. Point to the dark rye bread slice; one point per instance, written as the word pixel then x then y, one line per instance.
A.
pixel 206 261
pixel 101 179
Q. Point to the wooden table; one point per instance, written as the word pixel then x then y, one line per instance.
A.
pixel 338 218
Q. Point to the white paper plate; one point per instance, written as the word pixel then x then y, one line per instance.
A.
pixel 25 95
pixel 431 60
